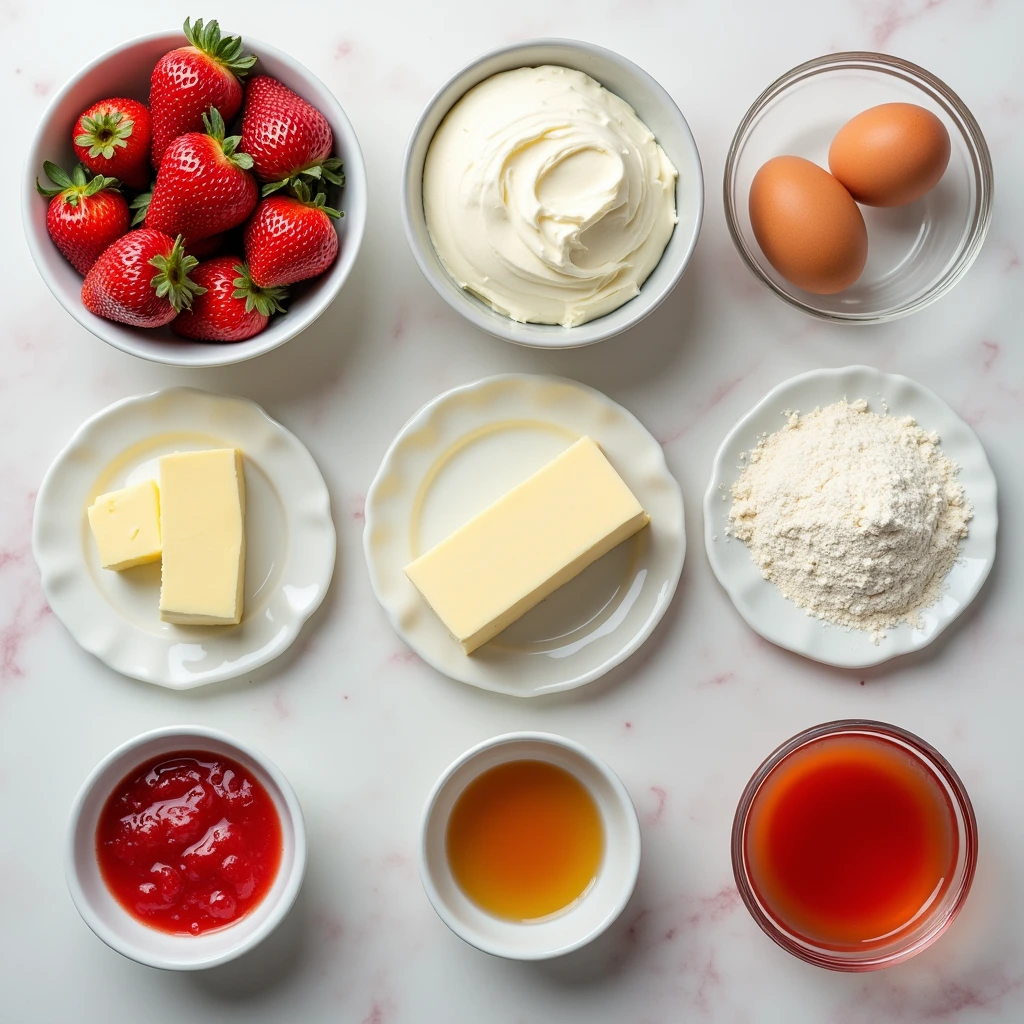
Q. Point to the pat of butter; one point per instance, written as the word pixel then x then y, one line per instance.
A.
pixel 126 525
pixel 202 516
pixel 527 544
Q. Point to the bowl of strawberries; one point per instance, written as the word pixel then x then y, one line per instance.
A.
pixel 195 198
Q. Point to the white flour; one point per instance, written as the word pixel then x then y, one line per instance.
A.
pixel 855 517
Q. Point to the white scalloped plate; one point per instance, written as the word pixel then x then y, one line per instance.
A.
pixel 761 603
pixel 290 538
pixel 465 449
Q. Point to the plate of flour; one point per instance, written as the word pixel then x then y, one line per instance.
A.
pixel 851 516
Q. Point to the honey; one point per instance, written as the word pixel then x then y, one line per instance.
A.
pixel 525 840
pixel 849 841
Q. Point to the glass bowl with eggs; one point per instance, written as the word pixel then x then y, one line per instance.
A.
pixel 858 188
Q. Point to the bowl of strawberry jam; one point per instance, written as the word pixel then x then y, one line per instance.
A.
pixel 185 848
pixel 854 845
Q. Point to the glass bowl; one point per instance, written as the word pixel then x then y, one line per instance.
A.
pixel 921 931
pixel 916 252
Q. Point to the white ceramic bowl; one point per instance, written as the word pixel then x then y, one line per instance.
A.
pixel 585 920
pixel 653 105
pixel 122 932
pixel 125 71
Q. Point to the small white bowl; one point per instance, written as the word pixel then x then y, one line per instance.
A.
pixel 125 71
pixel 583 921
pixel 112 923
pixel 653 105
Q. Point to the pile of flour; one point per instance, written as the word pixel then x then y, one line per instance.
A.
pixel 855 517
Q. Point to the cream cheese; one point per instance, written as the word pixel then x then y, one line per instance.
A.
pixel 547 197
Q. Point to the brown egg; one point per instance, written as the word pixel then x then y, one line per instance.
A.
pixel 891 154
pixel 808 227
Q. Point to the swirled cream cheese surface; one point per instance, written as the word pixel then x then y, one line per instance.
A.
pixel 547 197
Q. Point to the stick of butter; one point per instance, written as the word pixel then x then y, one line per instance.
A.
pixel 527 544
pixel 126 525
pixel 202 517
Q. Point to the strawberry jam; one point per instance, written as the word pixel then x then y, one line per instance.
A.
pixel 189 842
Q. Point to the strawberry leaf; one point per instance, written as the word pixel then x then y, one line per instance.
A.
pixel 171 281
pixel 105 133
pixel 266 301
pixel 226 50
pixel 214 124
pixel 327 172
pixel 76 185
pixel 140 204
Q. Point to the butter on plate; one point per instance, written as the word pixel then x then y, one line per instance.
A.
pixel 126 525
pixel 202 518
pixel 530 542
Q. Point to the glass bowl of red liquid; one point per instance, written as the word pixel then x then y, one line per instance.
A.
pixel 185 848
pixel 854 845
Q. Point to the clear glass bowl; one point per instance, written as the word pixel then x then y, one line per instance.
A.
pixel 917 934
pixel 917 252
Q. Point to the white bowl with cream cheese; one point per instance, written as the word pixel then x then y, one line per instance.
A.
pixel 558 216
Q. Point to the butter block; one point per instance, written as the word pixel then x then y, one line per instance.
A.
pixel 126 525
pixel 202 518
pixel 527 544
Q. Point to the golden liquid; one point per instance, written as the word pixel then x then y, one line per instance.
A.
pixel 525 840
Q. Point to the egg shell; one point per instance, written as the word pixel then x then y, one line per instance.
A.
pixel 891 154
pixel 808 226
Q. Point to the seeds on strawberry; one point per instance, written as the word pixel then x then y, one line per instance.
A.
pixel 291 238
pixel 202 187
pixel 141 280
pixel 187 81
pixel 232 307
pixel 286 136
pixel 84 216
pixel 113 137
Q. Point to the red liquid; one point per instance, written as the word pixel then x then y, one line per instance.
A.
pixel 189 842
pixel 849 840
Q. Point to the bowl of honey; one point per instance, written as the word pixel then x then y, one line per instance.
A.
pixel 530 846
pixel 854 845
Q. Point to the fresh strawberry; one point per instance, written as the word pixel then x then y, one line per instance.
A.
pixel 112 137
pixel 202 187
pixel 232 307
pixel 83 217
pixel 290 238
pixel 286 136
pixel 188 81
pixel 141 280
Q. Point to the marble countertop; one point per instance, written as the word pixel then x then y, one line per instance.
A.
pixel 362 727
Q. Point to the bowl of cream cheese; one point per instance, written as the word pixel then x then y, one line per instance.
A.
pixel 552 193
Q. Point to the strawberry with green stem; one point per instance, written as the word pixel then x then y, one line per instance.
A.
pixel 232 308
pixel 203 186
pixel 287 138
pixel 85 214
pixel 187 81
pixel 113 138
pixel 291 238
pixel 141 280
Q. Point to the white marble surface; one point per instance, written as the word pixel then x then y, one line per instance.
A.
pixel 359 725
